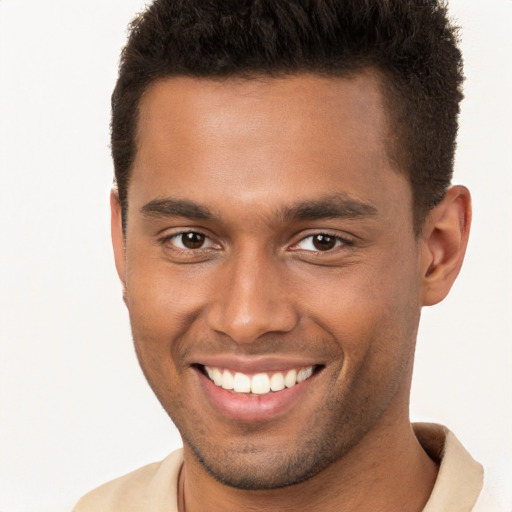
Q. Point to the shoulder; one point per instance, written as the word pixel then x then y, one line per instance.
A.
pixel 152 487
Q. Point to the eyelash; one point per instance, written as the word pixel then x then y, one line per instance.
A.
pixel 169 238
pixel 339 242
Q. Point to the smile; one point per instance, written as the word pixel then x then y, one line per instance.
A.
pixel 258 383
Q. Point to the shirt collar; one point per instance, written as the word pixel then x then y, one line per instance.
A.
pixel 460 477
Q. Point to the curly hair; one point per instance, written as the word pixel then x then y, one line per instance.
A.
pixel 411 44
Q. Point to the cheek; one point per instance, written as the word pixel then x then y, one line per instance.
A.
pixel 158 319
pixel 162 302
pixel 371 309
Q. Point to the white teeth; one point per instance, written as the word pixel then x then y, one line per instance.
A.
pixel 242 383
pixel 258 384
pixel 290 379
pixel 217 377
pixel 304 374
pixel 227 380
pixel 277 382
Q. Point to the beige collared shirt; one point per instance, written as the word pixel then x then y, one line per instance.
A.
pixel 153 488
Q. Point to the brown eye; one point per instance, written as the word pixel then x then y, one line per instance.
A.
pixel 321 242
pixel 189 243
pixel 192 240
pixel 324 242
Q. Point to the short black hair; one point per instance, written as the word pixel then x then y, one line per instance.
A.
pixel 411 44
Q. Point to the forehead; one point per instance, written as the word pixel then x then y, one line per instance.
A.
pixel 308 107
pixel 295 136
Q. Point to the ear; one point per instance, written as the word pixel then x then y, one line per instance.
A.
pixel 118 242
pixel 444 240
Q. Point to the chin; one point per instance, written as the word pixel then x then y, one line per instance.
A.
pixel 263 471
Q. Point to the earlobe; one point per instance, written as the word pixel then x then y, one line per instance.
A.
pixel 118 241
pixel 444 240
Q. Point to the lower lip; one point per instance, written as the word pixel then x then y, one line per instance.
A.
pixel 250 408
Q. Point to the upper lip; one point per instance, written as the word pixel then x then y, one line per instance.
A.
pixel 256 364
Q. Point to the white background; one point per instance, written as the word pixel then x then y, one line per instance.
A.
pixel 75 409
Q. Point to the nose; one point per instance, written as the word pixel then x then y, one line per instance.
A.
pixel 252 299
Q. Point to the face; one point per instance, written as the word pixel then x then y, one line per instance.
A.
pixel 271 270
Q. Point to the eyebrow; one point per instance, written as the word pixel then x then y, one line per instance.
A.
pixel 169 207
pixel 332 207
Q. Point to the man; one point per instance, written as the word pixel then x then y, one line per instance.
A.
pixel 283 211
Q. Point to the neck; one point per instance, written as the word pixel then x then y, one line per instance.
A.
pixel 387 470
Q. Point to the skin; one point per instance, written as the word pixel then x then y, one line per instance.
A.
pixel 236 161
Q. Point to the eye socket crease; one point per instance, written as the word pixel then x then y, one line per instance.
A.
pixel 332 207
